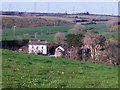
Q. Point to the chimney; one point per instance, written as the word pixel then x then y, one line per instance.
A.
pixel 29 40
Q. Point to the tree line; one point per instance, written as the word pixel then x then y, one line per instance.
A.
pixel 102 50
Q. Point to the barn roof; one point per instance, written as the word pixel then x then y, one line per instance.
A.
pixel 38 42
pixel 61 48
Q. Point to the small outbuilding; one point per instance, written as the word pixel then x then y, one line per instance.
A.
pixel 59 51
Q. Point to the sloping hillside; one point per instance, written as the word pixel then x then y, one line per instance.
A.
pixel 35 71
pixel 31 21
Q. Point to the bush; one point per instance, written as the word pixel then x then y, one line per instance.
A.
pixel 74 40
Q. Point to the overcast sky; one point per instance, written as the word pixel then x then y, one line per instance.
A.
pixel 60 7
pixel 59 0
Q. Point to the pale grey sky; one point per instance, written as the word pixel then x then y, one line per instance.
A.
pixel 58 7
pixel 59 0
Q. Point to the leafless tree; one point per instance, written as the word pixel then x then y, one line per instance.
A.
pixel 114 28
pixel 60 38
pixel 87 39
pixel 91 40
pixel 77 29
pixel 113 25
pixel 113 52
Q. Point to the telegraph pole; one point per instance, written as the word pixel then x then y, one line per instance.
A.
pixel 113 12
pixel 73 9
pixel 41 31
pixel 54 24
pixel 101 12
pixel 14 30
pixel 34 6
pixel 35 35
pixel 48 7
pixel 10 6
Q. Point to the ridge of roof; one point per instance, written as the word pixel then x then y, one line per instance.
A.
pixel 38 42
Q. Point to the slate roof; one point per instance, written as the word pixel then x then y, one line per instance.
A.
pixel 38 42
pixel 61 48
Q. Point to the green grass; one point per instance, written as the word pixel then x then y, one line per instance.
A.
pixel 42 32
pixel 19 31
pixel 116 34
pixel 49 37
pixel 35 71
pixel 102 28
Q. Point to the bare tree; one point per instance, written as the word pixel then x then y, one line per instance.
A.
pixel 87 39
pixel 114 28
pixel 60 38
pixel 92 40
pixel 113 25
pixel 112 49
pixel 77 29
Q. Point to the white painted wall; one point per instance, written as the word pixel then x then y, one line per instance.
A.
pixel 41 48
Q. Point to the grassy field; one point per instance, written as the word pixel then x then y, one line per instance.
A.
pixel 43 33
pixel 48 32
pixel 35 71
pixel 49 37
pixel 102 28
pixel 42 29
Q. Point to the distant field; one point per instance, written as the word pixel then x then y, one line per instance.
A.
pixel 42 29
pixel 48 32
pixel 44 32
pixel 58 18
pixel 35 71
pixel 94 16
pixel 102 28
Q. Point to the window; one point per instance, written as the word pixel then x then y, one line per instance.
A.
pixel 37 47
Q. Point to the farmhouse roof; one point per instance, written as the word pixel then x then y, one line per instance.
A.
pixel 38 42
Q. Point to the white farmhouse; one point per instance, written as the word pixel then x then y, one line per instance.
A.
pixel 38 47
